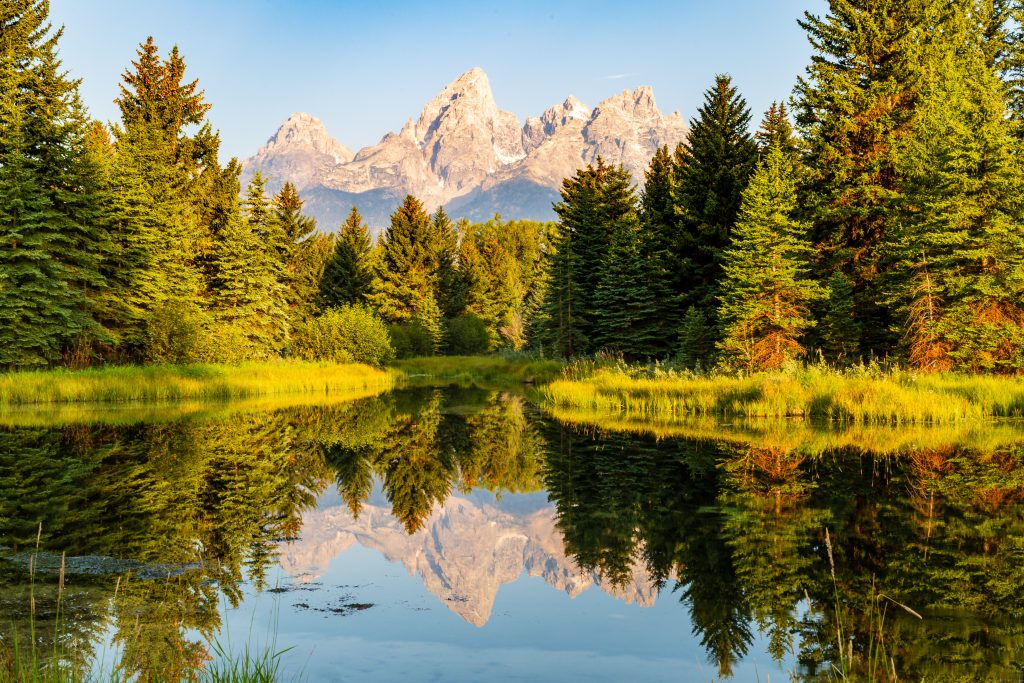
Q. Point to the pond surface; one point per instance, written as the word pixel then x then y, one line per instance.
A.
pixel 463 534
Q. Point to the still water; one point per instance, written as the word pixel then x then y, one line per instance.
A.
pixel 462 534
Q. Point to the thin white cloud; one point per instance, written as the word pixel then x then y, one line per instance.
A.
pixel 615 77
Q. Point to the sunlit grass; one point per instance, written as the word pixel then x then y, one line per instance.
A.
pixel 126 384
pixel 862 395
pixel 495 369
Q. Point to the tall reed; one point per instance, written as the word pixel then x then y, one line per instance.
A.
pixel 124 384
pixel 860 395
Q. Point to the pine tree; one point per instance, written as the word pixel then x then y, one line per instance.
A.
pixel 767 292
pixel 54 243
pixel 247 289
pixel 347 276
pixel 161 189
pixel 776 129
pixel 573 262
pixel 445 244
pixel 854 106
pixel 632 289
pixel 659 216
pixel 713 167
pixel 696 350
pixel 657 204
pixel 406 279
pixel 959 273
pixel 296 232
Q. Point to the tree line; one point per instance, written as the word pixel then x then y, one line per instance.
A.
pixel 887 223
pixel 881 220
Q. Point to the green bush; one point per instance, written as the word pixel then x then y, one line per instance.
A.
pixel 467 336
pixel 345 335
pixel 227 343
pixel 411 339
pixel 176 333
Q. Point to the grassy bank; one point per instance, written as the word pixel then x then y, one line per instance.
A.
pixel 124 384
pixel 485 369
pixel 864 395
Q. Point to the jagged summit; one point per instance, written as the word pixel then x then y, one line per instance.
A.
pixel 464 152
pixel 299 151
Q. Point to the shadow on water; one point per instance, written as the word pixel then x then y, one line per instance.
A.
pixel 771 535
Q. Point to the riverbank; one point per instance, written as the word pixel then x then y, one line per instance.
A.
pixel 126 384
pixel 486 369
pixel 859 395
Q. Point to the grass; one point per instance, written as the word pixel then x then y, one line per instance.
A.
pixel 127 384
pixel 486 369
pixel 860 395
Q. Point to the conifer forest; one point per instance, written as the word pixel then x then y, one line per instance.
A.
pixel 873 214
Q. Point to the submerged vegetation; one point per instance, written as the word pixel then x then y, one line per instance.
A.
pixel 865 394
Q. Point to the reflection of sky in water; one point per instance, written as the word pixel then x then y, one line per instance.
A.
pixel 535 633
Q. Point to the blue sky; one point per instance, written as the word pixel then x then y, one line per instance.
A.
pixel 365 67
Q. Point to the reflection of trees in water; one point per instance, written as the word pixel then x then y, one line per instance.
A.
pixel 433 441
pixel 738 530
pixel 196 501
pixel 741 531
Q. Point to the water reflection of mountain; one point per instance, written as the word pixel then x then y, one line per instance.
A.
pixel 464 551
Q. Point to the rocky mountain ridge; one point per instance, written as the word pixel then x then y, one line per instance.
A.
pixel 465 153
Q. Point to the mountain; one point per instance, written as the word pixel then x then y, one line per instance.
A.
pixel 464 552
pixel 465 153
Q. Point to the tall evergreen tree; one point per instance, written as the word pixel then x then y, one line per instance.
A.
pixel 160 186
pixel 297 235
pixel 839 330
pixel 53 242
pixel 578 247
pixel 959 279
pixel 406 279
pixel 713 168
pixel 856 102
pixel 247 288
pixel 632 291
pixel 347 275
pixel 659 216
pixel 767 291
pixel 445 245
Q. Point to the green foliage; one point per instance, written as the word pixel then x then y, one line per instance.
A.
pixel 411 339
pixel 696 341
pixel 347 274
pixel 839 329
pixel 344 335
pixel 776 129
pixel 713 167
pixel 632 292
pixel 49 266
pixel 406 279
pixel 248 292
pixel 854 106
pixel 176 333
pixel 467 335
pixel 767 291
pixel 959 255
pixel 605 284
